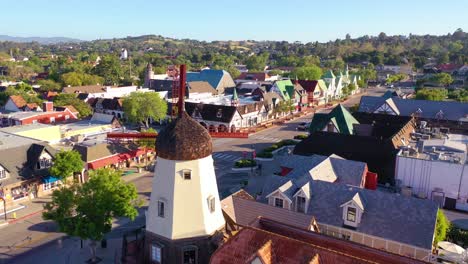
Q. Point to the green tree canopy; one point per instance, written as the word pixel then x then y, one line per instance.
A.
pixel 66 163
pixel 442 78
pixel 433 94
pixel 396 78
pixel 70 99
pixel 49 85
pixel 79 79
pixel 110 69
pixel 140 107
pixel 307 73
pixel 257 63
pixel 86 211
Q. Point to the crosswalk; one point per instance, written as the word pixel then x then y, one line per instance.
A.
pixel 265 138
pixel 225 156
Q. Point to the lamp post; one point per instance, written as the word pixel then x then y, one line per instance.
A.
pixel 4 208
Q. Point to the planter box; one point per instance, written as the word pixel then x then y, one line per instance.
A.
pixel 264 159
pixel 244 169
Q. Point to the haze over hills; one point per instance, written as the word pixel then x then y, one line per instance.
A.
pixel 41 40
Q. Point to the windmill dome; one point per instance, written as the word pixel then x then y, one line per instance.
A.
pixel 184 139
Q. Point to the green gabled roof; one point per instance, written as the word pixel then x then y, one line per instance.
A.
pixel 282 86
pixel 234 95
pixel 321 83
pixel 339 116
pixel 329 75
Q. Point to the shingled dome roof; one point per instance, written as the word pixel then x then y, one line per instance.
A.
pixel 184 139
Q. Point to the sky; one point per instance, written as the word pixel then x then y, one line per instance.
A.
pixel 290 20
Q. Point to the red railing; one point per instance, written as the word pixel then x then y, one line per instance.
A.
pixel 229 135
pixel 132 135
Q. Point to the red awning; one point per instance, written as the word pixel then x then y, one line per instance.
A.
pixel 121 157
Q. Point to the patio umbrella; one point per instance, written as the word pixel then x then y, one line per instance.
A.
pixel 451 247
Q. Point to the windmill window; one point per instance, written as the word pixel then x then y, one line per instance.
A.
pixel 211 204
pixel 187 175
pixel 161 209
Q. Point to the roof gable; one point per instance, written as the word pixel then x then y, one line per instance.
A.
pixel 341 118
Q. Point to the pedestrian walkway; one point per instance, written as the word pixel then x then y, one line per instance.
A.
pixel 266 138
pixel 27 209
pixel 225 156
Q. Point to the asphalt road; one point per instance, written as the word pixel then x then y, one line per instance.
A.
pixel 22 241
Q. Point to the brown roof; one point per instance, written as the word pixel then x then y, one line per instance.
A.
pixel 201 87
pixel 257 76
pixel 32 106
pixel 184 139
pixel 275 242
pixel 98 151
pixel 84 89
pixel 18 100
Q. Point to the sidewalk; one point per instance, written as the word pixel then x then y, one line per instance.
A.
pixel 30 208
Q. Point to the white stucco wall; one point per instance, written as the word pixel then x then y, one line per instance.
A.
pixel 425 175
pixel 186 201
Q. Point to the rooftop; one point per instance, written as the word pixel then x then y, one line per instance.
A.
pixel 391 216
pixel 452 149
pixel 8 140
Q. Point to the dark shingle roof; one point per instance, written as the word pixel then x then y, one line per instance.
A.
pixel 20 162
pixel 379 154
pixel 404 219
pixel 451 110
pixel 209 112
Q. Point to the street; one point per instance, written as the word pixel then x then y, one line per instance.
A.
pixel 33 239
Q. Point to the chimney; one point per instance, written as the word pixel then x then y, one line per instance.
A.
pixel 47 106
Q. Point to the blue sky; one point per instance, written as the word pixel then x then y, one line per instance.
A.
pixel 291 20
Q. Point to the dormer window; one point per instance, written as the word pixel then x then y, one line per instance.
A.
pixel 351 214
pixel 352 211
pixel 219 114
pixel 300 204
pixel 279 202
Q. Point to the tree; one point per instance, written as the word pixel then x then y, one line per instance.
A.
pixel 83 108
pixel 49 85
pixel 110 69
pixel 66 163
pixel 140 107
pixel 431 94
pixel 257 63
pixel 307 73
pixel 442 78
pixel 79 79
pixel 396 78
pixel 442 225
pixel 86 211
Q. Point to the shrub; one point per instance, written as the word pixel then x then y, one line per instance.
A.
pixel 286 142
pixel 245 163
pixel 265 155
pixel 442 225
pixel 300 137
pixel 458 236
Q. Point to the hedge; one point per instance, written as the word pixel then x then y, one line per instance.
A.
pixel 267 152
pixel 301 137
pixel 245 163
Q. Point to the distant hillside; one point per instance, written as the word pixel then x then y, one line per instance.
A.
pixel 41 40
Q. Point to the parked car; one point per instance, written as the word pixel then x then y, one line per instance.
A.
pixel 303 126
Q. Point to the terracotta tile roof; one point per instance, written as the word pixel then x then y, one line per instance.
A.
pixel 18 100
pixel 257 76
pixel 32 106
pixel 275 242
